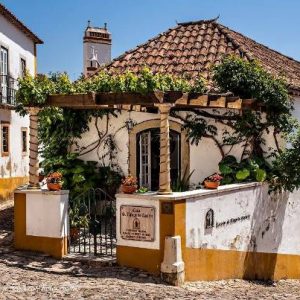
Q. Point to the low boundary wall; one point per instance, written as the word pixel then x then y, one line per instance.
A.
pixel 41 221
pixel 237 231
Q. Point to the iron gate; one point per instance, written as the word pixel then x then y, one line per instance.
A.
pixel 92 218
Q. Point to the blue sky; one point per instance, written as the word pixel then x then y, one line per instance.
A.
pixel 60 23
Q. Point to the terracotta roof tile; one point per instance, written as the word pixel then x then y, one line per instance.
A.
pixel 197 46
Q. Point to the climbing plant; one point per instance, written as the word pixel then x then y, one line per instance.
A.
pixel 33 91
pixel 249 128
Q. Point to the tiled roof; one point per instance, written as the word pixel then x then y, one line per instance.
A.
pixel 194 47
pixel 15 21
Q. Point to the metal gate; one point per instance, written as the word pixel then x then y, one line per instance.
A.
pixel 92 218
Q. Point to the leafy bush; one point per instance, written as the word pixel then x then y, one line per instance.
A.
pixel 80 176
pixel 286 167
pixel 254 169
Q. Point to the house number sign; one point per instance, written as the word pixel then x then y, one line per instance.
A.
pixel 137 223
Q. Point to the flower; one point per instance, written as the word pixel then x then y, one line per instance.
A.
pixel 129 181
pixel 54 177
pixel 214 178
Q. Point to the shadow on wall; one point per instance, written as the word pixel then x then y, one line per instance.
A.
pixel 265 235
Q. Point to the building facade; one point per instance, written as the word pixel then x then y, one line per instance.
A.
pixel 18 55
pixel 189 49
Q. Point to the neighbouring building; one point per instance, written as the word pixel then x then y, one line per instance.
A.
pixel 96 48
pixel 18 53
pixel 188 49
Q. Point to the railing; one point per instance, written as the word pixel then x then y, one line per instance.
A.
pixel 8 89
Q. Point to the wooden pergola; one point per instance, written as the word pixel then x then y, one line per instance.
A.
pixel 160 101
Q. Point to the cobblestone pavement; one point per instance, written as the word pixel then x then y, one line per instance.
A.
pixel 26 275
pixel 32 276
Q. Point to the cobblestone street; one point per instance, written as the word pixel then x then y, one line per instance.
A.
pixel 26 275
pixel 31 276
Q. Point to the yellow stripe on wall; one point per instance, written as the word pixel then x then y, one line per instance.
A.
pixel 8 185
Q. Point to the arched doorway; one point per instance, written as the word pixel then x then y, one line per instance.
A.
pixel 148 155
pixel 153 124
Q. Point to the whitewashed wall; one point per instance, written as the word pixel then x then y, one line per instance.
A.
pixel 204 157
pixel 254 221
pixel 16 164
pixel 19 46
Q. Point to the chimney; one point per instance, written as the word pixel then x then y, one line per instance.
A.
pixel 96 48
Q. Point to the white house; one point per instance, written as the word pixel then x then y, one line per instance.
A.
pixel 188 49
pixel 18 53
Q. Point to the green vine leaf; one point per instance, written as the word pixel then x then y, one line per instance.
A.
pixel 242 174
pixel 260 175
pixel 225 169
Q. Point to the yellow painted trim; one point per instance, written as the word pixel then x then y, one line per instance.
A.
pixel 8 185
pixel 209 264
pixel 149 124
pixel 56 247
pixel 145 259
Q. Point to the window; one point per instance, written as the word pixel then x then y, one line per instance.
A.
pixel 145 159
pixel 3 74
pixel 4 61
pixel 23 67
pixel 148 157
pixel 24 140
pixel 5 139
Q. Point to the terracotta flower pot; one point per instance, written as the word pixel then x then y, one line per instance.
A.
pixel 129 189
pixel 211 184
pixel 54 186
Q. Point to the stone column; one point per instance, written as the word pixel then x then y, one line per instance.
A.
pixel 172 267
pixel 164 175
pixel 33 148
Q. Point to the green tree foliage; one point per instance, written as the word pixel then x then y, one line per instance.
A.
pixel 286 167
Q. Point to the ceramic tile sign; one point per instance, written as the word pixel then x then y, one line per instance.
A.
pixel 137 223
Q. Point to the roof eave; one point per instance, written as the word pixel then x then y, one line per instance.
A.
pixel 16 22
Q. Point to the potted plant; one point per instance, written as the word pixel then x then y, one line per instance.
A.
pixel 129 184
pixel 54 181
pixel 77 222
pixel 213 181
pixel 142 190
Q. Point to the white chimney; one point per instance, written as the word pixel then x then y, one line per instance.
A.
pixel 96 48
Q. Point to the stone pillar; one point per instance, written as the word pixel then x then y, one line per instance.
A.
pixel 33 148
pixel 172 268
pixel 164 175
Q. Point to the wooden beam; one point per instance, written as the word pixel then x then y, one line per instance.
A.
pixel 138 101
pixel 72 100
pixel 129 98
